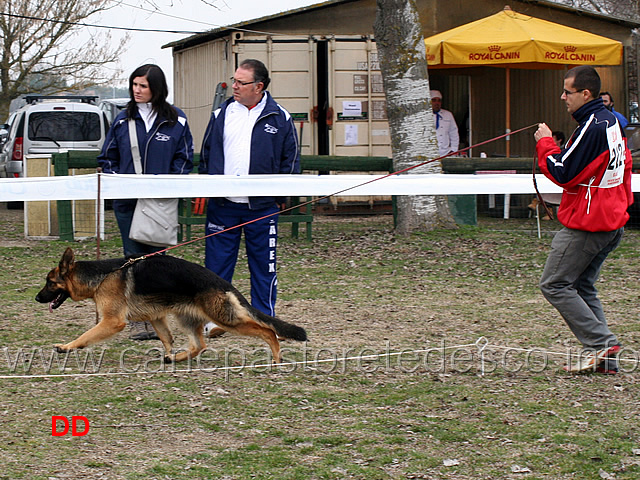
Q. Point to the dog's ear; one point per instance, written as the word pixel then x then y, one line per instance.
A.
pixel 67 260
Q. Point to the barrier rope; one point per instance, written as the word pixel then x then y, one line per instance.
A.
pixel 482 344
pixel 451 154
pixel 239 367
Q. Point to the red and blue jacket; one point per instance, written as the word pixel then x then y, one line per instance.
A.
pixel 274 146
pixel 594 169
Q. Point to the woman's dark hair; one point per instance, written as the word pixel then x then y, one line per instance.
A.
pixel 159 92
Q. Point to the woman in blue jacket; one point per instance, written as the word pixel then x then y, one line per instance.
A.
pixel 164 142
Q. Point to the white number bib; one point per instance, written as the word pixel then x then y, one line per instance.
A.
pixel 614 174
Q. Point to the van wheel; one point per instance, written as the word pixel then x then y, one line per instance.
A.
pixel 15 205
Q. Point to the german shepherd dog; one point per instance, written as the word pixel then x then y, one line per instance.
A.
pixel 150 288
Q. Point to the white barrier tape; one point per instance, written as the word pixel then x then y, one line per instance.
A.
pixel 84 187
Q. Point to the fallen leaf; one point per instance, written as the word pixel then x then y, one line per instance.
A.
pixel 519 469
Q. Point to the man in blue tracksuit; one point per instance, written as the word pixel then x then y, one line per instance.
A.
pixel 607 100
pixel 249 134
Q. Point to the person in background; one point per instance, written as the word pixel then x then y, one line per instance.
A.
pixel 607 99
pixel 594 169
pixel 166 147
pixel 559 138
pixel 446 128
pixel 249 134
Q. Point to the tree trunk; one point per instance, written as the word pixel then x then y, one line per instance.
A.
pixel 402 56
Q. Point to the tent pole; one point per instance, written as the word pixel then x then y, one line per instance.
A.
pixel 508 110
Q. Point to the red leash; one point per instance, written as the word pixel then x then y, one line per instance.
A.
pixel 335 193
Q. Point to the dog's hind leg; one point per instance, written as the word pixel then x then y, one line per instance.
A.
pixel 193 327
pixel 252 329
pixel 228 312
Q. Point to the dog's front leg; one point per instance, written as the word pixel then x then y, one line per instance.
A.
pixel 107 327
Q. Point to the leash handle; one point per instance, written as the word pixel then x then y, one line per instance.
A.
pixel 535 186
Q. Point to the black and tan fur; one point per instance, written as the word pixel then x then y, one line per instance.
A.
pixel 151 288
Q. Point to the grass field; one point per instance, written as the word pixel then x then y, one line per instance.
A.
pixel 432 356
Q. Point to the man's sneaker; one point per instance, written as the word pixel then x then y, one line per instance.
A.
pixel 609 366
pixel 141 331
pixel 610 352
pixel 591 360
pixel 606 370
pixel 211 330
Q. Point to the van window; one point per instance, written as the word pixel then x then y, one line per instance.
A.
pixel 64 126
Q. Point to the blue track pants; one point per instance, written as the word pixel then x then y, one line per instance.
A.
pixel 261 239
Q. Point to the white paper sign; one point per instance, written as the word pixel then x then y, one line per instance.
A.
pixel 352 108
pixel 351 134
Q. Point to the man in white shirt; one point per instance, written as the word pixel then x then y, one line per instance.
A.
pixel 250 134
pixel 446 128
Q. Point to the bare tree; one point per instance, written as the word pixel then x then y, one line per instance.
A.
pixel 41 50
pixel 402 56
pixel 618 8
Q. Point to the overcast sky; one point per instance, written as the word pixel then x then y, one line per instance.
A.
pixel 187 15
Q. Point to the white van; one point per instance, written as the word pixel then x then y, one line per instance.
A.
pixel 113 106
pixel 51 124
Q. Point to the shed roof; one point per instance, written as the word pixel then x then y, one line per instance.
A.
pixel 209 35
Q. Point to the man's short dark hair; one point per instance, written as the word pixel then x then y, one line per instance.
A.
pixel 559 135
pixel 260 71
pixel 607 93
pixel 585 77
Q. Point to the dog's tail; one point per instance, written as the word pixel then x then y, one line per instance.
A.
pixel 283 329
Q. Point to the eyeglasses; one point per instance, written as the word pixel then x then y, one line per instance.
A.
pixel 235 80
pixel 567 92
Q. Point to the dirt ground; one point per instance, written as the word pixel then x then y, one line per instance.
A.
pixel 360 292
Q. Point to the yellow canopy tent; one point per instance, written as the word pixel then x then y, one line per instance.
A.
pixel 512 40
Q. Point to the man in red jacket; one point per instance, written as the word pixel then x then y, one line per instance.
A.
pixel 594 169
